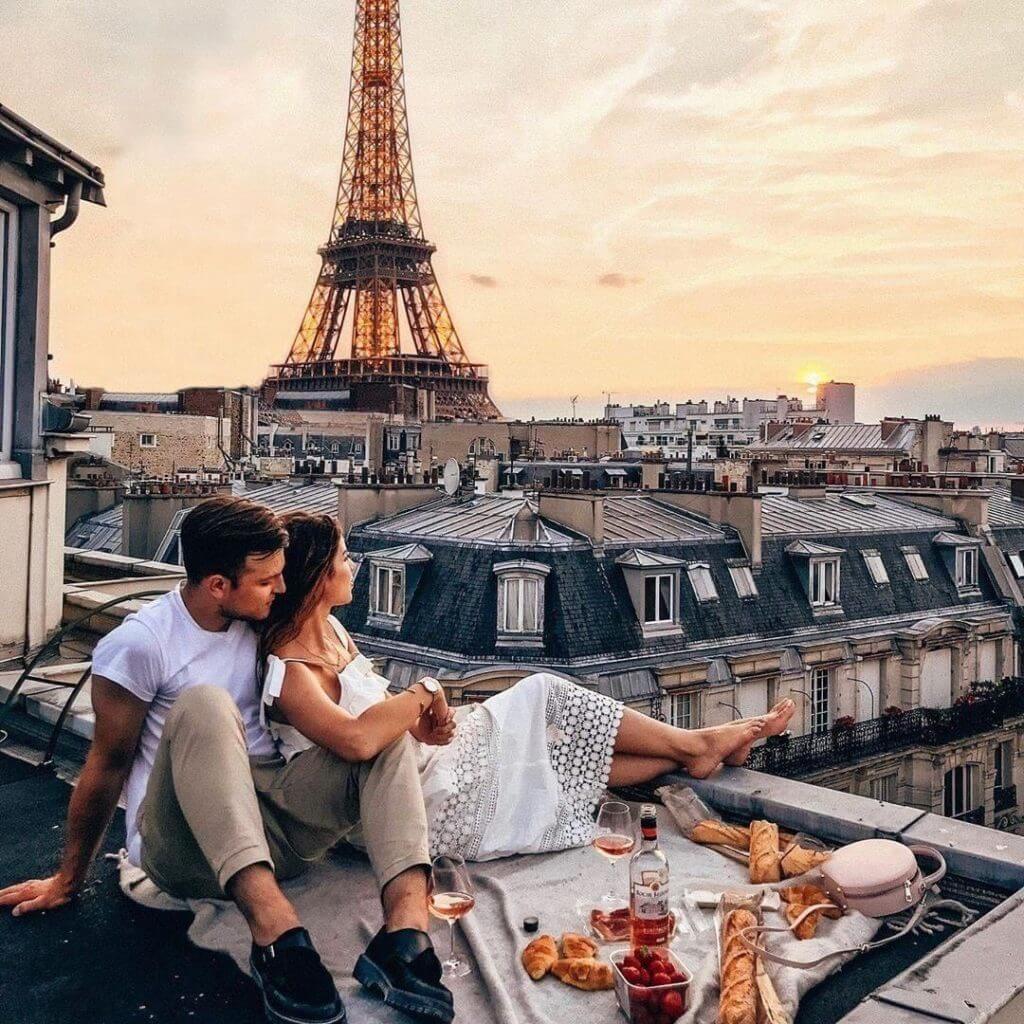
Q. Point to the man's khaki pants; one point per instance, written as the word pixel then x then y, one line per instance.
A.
pixel 210 810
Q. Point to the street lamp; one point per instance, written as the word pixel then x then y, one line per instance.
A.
pixel 726 704
pixel 867 686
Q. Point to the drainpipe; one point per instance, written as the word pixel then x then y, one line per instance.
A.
pixel 70 214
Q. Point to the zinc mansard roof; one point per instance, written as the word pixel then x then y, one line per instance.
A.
pixel 846 512
pixel 589 614
pixel 859 437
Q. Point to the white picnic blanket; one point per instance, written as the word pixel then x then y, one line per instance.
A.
pixel 338 903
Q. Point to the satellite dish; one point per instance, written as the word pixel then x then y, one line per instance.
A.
pixel 452 477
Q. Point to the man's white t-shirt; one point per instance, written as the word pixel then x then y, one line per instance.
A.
pixel 156 654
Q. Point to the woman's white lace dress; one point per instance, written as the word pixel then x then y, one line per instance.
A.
pixel 522 775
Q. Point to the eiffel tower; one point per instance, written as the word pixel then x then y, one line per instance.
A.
pixel 376 253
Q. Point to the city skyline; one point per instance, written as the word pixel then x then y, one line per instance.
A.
pixel 660 203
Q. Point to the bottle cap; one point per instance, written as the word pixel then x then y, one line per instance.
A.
pixel 530 924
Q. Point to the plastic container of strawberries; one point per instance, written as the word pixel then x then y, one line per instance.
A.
pixel 646 1003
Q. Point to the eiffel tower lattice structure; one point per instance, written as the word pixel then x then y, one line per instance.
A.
pixel 377 258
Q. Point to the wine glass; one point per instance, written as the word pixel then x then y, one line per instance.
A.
pixel 614 838
pixel 451 897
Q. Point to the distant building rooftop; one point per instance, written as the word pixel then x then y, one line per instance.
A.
pixel 846 512
pixel 839 436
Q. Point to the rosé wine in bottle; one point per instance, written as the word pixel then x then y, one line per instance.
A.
pixel 649 916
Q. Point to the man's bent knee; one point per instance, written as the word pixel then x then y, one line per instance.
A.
pixel 205 705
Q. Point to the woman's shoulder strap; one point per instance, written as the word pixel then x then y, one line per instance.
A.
pixel 341 631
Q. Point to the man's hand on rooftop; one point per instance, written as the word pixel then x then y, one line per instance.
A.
pixel 36 894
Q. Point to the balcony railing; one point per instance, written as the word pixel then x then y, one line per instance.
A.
pixel 930 727
pixel 1005 798
pixel 974 817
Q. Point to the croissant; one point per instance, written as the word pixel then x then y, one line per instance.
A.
pixel 576 947
pixel 717 833
pixel 808 926
pixel 539 955
pixel 764 852
pixel 800 859
pixel 584 972
pixel 737 1003
pixel 810 896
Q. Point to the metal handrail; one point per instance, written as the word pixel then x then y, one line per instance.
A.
pixel 75 687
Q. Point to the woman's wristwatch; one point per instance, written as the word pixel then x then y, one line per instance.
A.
pixel 432 686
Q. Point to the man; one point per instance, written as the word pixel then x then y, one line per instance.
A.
pixel 212 810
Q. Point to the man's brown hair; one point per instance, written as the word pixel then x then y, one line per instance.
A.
pixel 220 533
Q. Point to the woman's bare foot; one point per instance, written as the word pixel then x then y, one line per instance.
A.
pixel 775 722
pixel 719 743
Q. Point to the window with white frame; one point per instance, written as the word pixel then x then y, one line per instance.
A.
pixel 743 581
pixel 876 568
pixel 960 790
pixel 8 297
pixel 884 788
pixel 680 710
pixel 824 582
pixel 821 692
pixel 387 594
pixel 659 598
pixel 702 582
pixel 147 440
pixel 520 604
pixel 915 563
pixel 1004 764
pixel 967 567
pixel 1017 564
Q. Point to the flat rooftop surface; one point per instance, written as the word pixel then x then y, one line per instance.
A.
pixel 105 960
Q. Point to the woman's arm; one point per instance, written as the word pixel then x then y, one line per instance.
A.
pixel 307 708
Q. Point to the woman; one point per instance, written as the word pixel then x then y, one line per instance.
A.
pixel 519 773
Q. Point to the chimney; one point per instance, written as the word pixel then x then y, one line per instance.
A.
pixel 582 512
pixel 737 509
pixel 365 502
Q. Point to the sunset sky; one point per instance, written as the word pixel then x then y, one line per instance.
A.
pixel 654 198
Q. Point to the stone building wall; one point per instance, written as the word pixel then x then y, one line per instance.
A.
pixel 181 441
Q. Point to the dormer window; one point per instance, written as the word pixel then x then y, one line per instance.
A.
pixel 966 567
pixel 915 563
pixel 653 582
pixel 821 577
pixel 388 596
pixel 659 599
pixel 702 582
pixel 961 556
pixel 824 582
pixel 521 602
pixel 394 575
pixel 876 568
pixel 1017 564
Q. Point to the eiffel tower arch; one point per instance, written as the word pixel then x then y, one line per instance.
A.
pixel 376 265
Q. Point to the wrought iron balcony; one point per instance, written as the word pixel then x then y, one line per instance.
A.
pixel 1005 798
pixel 974 817
pixel 929 727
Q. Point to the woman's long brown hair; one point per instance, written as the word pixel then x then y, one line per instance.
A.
pixel 312 546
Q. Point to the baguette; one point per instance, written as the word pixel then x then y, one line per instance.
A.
pixel 717 833
pixel 737 1002
pixel 764 852
pixel 800 859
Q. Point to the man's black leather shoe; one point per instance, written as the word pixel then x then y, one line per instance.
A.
pixel 403 969
pixel 296 987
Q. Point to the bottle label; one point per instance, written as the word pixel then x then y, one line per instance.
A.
pixel 650 902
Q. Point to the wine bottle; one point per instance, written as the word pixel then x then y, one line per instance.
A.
pixel 649 915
